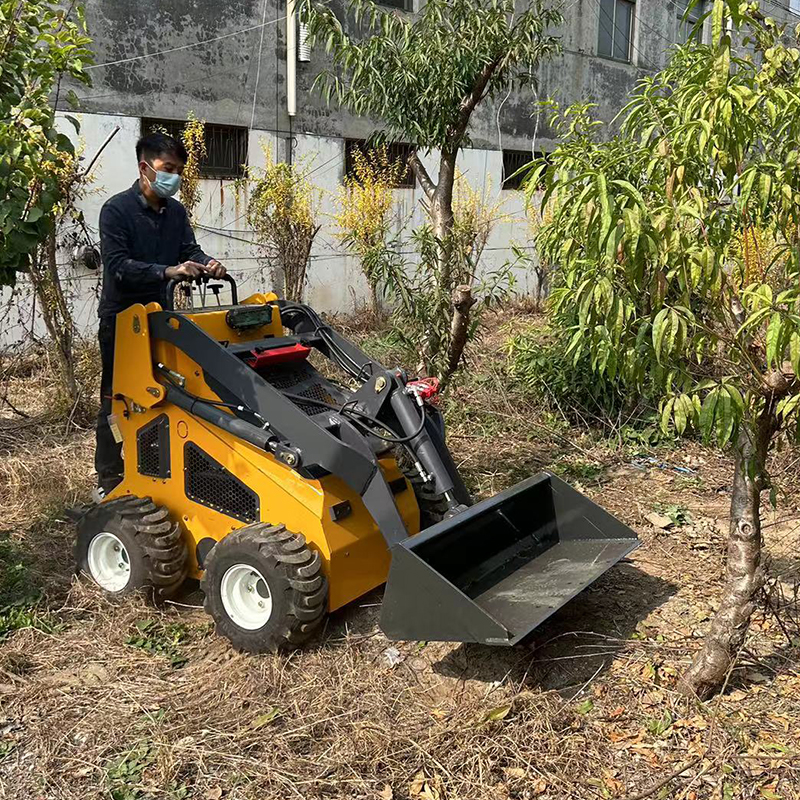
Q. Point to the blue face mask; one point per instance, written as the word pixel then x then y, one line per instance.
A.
pixel 166 184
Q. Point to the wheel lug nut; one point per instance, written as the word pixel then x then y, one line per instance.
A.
pixel 260 604
pixel 116 548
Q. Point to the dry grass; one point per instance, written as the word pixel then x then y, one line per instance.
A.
pixel 588 711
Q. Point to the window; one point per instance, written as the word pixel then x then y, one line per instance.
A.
pixel 396 152
pixel 616 25
pixel 794 5
pixel 405 5
pixel 686 25
pixel 515 160
pixel 226 146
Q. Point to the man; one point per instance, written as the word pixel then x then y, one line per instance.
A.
pixel 146 241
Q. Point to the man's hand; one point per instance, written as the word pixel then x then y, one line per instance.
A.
pixel 187 271
pixel 215 269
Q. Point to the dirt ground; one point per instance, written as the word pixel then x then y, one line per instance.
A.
pixel 102 699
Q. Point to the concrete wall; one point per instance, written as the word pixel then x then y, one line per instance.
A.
pixel 220 80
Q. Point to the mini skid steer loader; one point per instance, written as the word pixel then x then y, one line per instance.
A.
pixel 282 490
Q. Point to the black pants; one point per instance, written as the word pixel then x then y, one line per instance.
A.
pixel 107 454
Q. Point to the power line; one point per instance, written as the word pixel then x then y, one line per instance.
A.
pixel 185 46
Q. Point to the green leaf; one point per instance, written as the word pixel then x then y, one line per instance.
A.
pixel 708 414
pixel 666 414
pixel 774 330
pixel 497 714
pixel 765 190
pixel 585 707
pixel 605 209
pixel 661 326
pixel 725 419
pixel 265 719
pixel 794 351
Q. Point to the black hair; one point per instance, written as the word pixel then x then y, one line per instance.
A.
pixel 155 145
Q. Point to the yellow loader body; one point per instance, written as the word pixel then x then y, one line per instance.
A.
pixel 355 556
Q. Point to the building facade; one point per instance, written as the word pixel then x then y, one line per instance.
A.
pixel 226 62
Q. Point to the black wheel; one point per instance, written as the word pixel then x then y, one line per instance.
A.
pixel 432 506
pixel 265 588
pixel 130 545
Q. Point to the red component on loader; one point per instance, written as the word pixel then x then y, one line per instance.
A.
pixel 426 390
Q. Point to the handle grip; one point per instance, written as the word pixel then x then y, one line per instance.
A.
pixel 172 284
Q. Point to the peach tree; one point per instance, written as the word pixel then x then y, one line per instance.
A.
pixel 678 274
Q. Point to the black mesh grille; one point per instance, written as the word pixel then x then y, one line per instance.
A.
pixel 210 484
pixel 152 448
pixel 303 380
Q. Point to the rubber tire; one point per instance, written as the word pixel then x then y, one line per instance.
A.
pixel 293 573
pixel 432 506
pixel 156 548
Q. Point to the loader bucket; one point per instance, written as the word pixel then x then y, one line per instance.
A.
pixel 499 569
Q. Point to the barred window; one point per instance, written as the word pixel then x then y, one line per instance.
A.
pixel 513 161
pixel 396 152
pixel 226 146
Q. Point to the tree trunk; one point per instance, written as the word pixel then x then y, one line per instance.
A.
pixel 459 329
pixel 744 572
pixel 442 213
pixel 55 312
pixel 374 299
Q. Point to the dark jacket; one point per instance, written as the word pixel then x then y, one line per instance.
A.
pixel 137 244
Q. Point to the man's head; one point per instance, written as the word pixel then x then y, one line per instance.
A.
pixel 161 162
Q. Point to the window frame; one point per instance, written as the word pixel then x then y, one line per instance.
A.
pixel 693 19
pixel 400 5
pixel 220 172
pixel 631 31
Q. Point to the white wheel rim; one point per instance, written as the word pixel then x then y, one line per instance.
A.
pixel 246 597
pixel 109 563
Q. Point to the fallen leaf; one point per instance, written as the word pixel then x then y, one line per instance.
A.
pixel 611 782
pixel 515 772
pixel 415 787
pixel 496 714
pixel 213 794
pixel 265 719
pixel 386 793
pixel 659 520
pixel 393 656
pixel 736 695
pixel 424 788
pixel 540 787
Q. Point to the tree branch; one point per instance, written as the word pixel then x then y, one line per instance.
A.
pixel 470 102
pixel 422 176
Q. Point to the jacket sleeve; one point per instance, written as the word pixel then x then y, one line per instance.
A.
pixel 190 250
pixel 115 248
